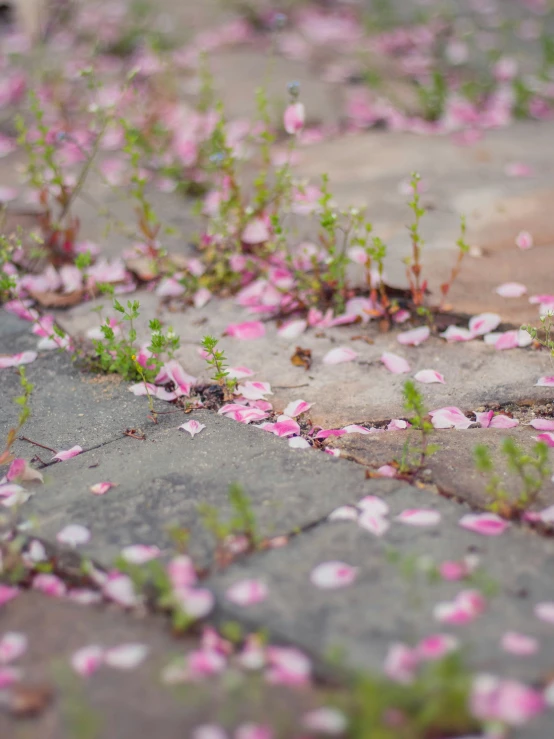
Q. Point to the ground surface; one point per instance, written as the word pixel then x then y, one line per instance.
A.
pixel 161 474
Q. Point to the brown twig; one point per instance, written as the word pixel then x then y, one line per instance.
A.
pixel 42 446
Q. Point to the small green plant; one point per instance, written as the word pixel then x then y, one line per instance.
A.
pixel 216 360
pixel 545 334
pixel 413 263
pixel 463 249
pixel 533 469
pixel 24 402
pixel 414 456
pixel 433 96
pixel 118 351
pixel 241 524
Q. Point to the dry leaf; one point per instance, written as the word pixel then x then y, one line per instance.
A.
pixel 52 299
pixel 302 358
pixel 26 700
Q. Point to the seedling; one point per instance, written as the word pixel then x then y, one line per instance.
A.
pixel 414 457
pixel 545 335
pixel 532 469
pixel 24 402
pixel 413 263
pixel 463 249
pixel 216 360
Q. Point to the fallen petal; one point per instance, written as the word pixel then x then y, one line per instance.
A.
pixel 68 454
pixel 415 337
pixel 193 427
pixel 126 656
pixel 339 355
pixel 247 592
pixel 395 364
pixel 429 376
pixel 419 517
pixel 74 534
pixel 487 524
pixel 330 575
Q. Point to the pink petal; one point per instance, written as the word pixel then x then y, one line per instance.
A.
pixel 297 442
pixel 254 390
pixel 487 524
pixel 87 660
pixel 395 364
pixel 68 454
pixel 543 424
pixel 415 337
pixel 101 488
pixel 239 373
pixel 247 592
pixel 330 575
pixel 484 323
pixel 253 731
pixel 12 646
pixel 182 380
pixel 256 232
pixel 343 513
pixel 506 340
pixel 519 644
pixel 288 666
pixel 74 534
pixel 85 596
pixel 49 584
pixel 326 433
pixel 121 590
pixel 326 720
pixel 209 731
pixel 201 297
pixel 126 656
pixel 373 522
pixel 246 331
pixel 298 407
pixel 484 419
pixel 294 118
pixel 546 381
pixel 143 388
pixel 355 429
pixel 375 505
pixel 545 611
pixel 195 602
pixel 504 701
pixel 436 646
pixel 500 421
pixel 428 376
pixel 7 593
pixel 138 554
pixel 17 360
pixel 401 663
pixel 449 417
pixel 387 471
pixel 463 609
pixel 518 169
pixel 547 437
pixel 397 424
pixel 193 427
pixel 22 470
pixel 511 290
pixel 524 240
pixel 292 329
pixel 546 515
pixel 181 572
pixel 419 517
pixel 339 355
pixel 287 427
pixel 457 333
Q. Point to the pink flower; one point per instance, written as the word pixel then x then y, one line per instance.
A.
pixel 339 355
pixel 121 590
pixel 68 454
pixel 242 413
pixel 488 524
pixel 429 376
pixel 205 662
pixel 524 240
pixel 395 364
pixel 87 660
pixel 457 333
pixel 387 470
pixel 452 571
pixel 247 592
pixel 246 331
pixel 541 424
pixel 415 337
pixel 192 427
pixel 297 442
pixel 508 701
pixel 519 644
pixel 449 417
pixel 401 663
pixel 294 118
pixel 397 424
pixel 330 575
pixel 419 517
pixel 195 602
pixel 285 427
pixel 326 433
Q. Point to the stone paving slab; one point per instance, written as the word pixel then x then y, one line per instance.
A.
pixel 362 391
pixel 161 481
pixel 452 468
pixel 361 620
pixel 128 704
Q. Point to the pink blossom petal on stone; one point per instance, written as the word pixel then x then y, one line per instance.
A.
pixel 373 522
pixel 506 340
pixel 7 593
pixel 484 418
pixel 325 720
pixel 292 329
pixel 547 437
pixel 356 429
pixel 397 424
pixel 326 433
pixel 209 731
pixel 375 505
pixel 9 676
pixel 49 584
pixel 395 364
pixel 415 337
pixel 246 331
pixel 12 646
pixel 195 602
pixel 543 424
pixel 401 663
pixel 294 118
pixel 87 660
pixel 436 646
pixel 465 608
pixel 487 524
pixel 254 390
pixel 20 469
pixel 192 427
pixel 143 388
pixel 85 596
pixel 253 731
pixel 511 290
pixel 201 297
pixel 101 488
pixel 288 666
pixel 331 575
pixel 256 232
pixel 343 513
pixel 68 453
pixel 387 470
pixel 457 333
pixel 287 427
pixel 484 323
pixel 121 590
pixel 339 355
pixel 126 656
pixel 501 421
pixel 545 611
pixel 524 240
pixel 504 701
pixel 239 373
pixel 181 572
pixel 429 376
pixel 546 381
pixel 247 592
pixel 546 515
pixel 419 517
pixel 518 169
pixel 74 535
pixel 138 554
pixel 519 644
pixel 16 360
pixel 449 417
pixel 298 407
pixel 297 442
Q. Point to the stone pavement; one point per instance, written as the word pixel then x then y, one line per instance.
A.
pixel 162 479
